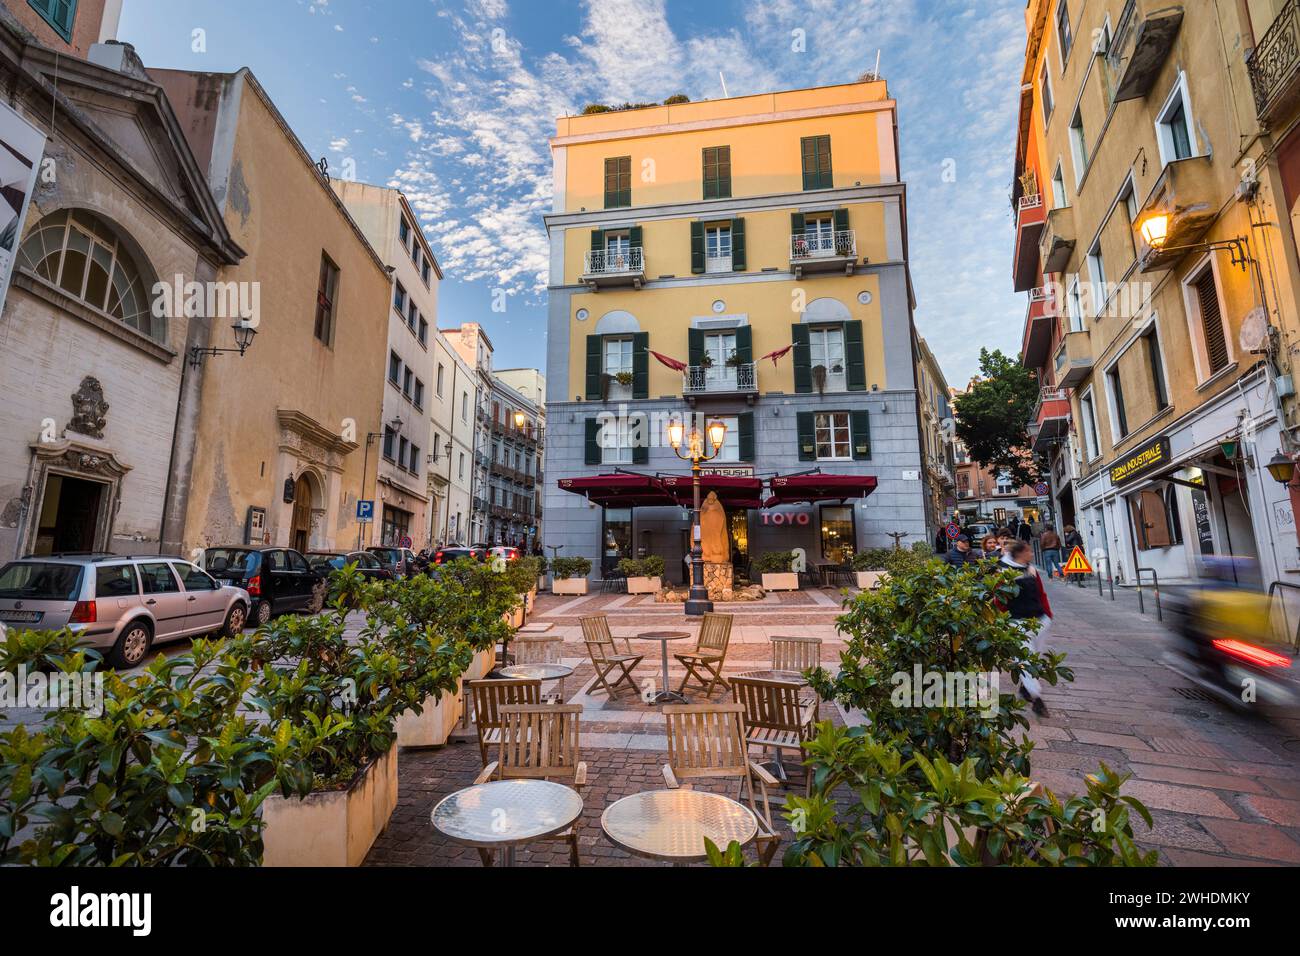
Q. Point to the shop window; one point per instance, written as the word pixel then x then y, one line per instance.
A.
pixel 838 533
pixel 1156 518
pixel 616 538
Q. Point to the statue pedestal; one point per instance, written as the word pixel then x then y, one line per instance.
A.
pixel 718 578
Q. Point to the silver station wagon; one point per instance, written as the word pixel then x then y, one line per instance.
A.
pixel 119 605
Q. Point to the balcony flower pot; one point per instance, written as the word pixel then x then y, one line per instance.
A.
pixel 643 585
pixel 780 581
pixel 432 727
pixel 333 828
pixel 572 586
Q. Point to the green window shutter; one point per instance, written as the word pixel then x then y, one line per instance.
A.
pixel 697 248
pixel 618 182
pixel 860 426
pixel 807 436
pixel 808 147
pixel 593 441
pixel 816 162
pixel 598 240
pixel 634 236
pixel 745 427
pixel 855 356
pixel 841 220
pixel 802 358
pixel 738 245
pixel 59 14
pixel 796 223
pixel 641 365
pixel 641 455
pixel 745 344
pixel 595 366
pixel 695 347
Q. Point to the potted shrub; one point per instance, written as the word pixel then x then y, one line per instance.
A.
pixel 644 575
pixel 870 567
pixel 569 575
pixel 775 568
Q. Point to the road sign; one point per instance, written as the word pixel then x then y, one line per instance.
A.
pixel 1077 564
pixel 365 511
pixel 953 532
pixel 406 541
pixel 1041 489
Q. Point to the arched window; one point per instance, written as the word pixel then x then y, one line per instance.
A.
pixel 82 255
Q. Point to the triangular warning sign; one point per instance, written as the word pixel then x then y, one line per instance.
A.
pixel 1077 564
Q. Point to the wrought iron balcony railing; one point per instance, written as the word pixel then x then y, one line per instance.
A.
pixel 1275 63
pixel 820 245
pixel 615 261
pixel 726 379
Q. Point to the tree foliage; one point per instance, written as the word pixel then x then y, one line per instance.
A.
pixel 993 415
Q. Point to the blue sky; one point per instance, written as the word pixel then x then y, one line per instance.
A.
pixel 454 100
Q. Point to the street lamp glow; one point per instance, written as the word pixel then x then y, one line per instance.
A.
pixel 717 433
pixel 676 432
pixel 520 418
pixel 1155 230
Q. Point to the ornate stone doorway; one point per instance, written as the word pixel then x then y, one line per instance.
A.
pixel 76 489
pixel 300 529
pixel 69 519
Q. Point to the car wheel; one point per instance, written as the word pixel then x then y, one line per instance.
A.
pixel 262 613
pixel 132 646
pixel 235 621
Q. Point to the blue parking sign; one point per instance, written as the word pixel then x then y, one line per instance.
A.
pixel 365 511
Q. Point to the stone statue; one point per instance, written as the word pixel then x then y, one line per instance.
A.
pixel 713 531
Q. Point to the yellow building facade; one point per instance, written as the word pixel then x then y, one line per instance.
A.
pixel 745 260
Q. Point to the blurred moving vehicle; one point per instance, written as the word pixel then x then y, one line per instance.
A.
pixel 122 605
pixel 507 552
pixel 456 553
pixel 279 580
pixel 1225 641
pixel 401 561
pixel 368 564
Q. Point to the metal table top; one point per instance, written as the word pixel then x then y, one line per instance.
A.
pixel 506 812
pixel 662 636
pixel 537 671
pixel 784 677
pixel 672 824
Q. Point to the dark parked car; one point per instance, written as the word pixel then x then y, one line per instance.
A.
pixel 278 580
pixel 326 562
pixel 449 554
pixel 401 561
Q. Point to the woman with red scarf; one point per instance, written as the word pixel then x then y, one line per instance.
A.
pixel 1030 604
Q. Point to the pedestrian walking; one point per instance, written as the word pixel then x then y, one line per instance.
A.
pixel 1024 531
pixel 1072 540
pixel 1031 606
pixel 941 541
pixel 1050 543
pixel 990 548
pixel 961 552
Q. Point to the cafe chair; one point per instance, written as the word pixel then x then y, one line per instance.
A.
pixel 539 742
pixel 606 659
pixel 489 697
pixel 706 742
pixel 776 719
pixel 704 664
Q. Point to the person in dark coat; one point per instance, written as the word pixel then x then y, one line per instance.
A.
pixel 961 552
pixel 1031 605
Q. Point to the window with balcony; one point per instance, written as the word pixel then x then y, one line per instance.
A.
pixel 816 151
pixel 618 182
pixel 717 248
pixel 717 172
pixel 1206 316
pixel 1174 129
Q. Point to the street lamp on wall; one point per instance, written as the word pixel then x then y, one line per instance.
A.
pixel 695 452
pixel 1282 468
pixel 244 335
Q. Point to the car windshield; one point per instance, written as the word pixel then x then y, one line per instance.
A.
pixel 325 560
pixel 38 581
pixel 219 560
pixel 388 554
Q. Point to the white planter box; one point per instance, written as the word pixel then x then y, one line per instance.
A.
pixel 480 665
pixel 569 586
pixel 644 585
pixel 515 618
pixel 434 726
pixel 786 581
pixel 334 827
pixel 870 580
pixel 541 584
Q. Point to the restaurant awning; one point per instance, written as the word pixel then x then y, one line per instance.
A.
pixel 798 489
pixel 618 490
pixel 732 490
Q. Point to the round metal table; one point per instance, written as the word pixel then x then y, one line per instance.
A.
pixel 672 824
pixel 505 814
pixel 784 677
pixel 665 696
pixel 540 672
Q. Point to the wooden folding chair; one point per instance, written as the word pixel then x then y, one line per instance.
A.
pixel 605 657
pixel 775 718
pixel 704 664
pixel 796 653
pixel 706 742
pixel 539 742
pixel 489 697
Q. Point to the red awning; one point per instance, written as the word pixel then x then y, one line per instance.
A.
pixel 733 491
pixel 795 489
pixel 618 490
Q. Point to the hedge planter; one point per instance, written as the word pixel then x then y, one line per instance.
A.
pixel 645 585
pixel 481 665
pixel 569 586
pixel 432 727
pixel 331 827
pixel 870 580
pixel 784 581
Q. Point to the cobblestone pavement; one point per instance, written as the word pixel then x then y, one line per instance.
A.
pixel 1224 788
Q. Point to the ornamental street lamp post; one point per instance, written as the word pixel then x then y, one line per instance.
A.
pixel 698 603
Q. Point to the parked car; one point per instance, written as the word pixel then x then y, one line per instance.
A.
pixel 978 530
pixel 401 561
pixel 121 605
pixel 278 580
pixel 509 553
pixel 449 554
pixel 369 565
